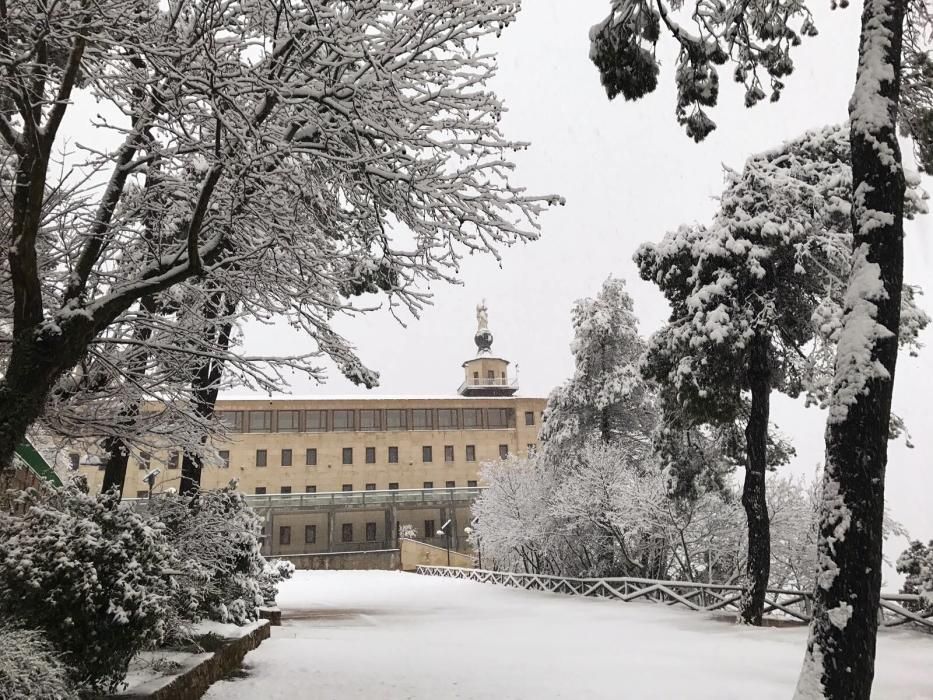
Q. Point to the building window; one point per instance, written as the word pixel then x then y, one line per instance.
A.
pixel 429 528
pixel 472 418
pixel 498 417
pixel 343 420
pixel 260 421
pixel 422 418
pixel 310 488
pixel 428 484
pixel 393 486
pixel 476 377
pixel 393 455
pixel 231 420
pixel 370 419
pixel 346 487
pixel 471 484
pixel 346 532
pixel 261 458
pixel 145 460
pixel 315 421
pixel 287 421
pixel 285 534
pixel 451 485
pixel 370 455
pixel 142 494
pixel 311 457
pixel 286 458
pixel 260 490
pixel 471 453
pixel 490 377
pixel 173 460
pixel 447 418
pixel 310 534
pixel 448 453
pixel 370 532
pixel 285 489
pixel 396 419
pixel 427 455
pixel 224 458
pixel 348 455
pixel 370 487
pixel 503 451
pixel 529 417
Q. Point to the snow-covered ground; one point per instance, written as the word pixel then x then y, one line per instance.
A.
pixel 376 634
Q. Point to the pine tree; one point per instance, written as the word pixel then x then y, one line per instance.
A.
pixel 756 302
pixel 757 39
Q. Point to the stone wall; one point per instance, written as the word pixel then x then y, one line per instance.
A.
pixel 415 554
pixel 204 670
pixel 382 559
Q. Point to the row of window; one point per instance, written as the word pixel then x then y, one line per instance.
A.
pixel 427 455
pixel 314 421
pixel 393 486
pixel 346 532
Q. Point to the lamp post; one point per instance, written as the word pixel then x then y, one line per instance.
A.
pixel 445 532
pixel 150 480
pixel 479 549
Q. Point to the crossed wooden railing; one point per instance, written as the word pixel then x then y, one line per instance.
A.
pixel 702 597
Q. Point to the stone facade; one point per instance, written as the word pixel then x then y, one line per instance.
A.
pixel 322 445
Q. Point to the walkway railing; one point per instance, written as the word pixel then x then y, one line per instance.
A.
pixel 700 597
pixel 407 497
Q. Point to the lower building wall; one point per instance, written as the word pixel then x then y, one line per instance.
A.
pixel 415 554
pixel 384 560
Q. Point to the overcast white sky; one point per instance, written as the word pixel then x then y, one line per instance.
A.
pixel 629 174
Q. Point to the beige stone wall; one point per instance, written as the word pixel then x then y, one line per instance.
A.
pixel 330 474
pixel 415 554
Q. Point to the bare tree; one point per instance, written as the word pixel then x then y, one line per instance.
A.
pixel 297 153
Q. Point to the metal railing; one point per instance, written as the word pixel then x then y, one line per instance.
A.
pixel 699 597
pixel 460 494
pixel 487 381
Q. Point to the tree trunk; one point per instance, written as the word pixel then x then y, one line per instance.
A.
pixel 118 451
pixel 841 650
pixel 205 383
pixel 118 457
pixel 758 565
pixel 38 358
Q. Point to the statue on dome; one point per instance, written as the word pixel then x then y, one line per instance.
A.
pixel 482 317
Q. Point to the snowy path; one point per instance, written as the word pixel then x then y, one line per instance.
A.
pixel 378 635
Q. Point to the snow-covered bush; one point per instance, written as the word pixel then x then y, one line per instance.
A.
pixel 917 563
pixel 217 537
pixel 408 531
pixel 30 668
pixel 275 571
pixel 89 572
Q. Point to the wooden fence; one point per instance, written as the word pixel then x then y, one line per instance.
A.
pixel 700 597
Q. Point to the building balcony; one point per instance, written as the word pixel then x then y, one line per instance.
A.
pixel 488 386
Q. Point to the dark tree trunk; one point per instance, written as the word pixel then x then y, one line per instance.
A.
pixel 118 451
pixel 118 457
pixel 38 358
pixel 205 383
pixel 758 564
pixel 841 649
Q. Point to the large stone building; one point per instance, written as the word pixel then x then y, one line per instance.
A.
pixel 345 474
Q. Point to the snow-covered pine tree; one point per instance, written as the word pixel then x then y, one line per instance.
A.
pixel 756 299
pixel 757 38
pixel 317 147
pixel 606 399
